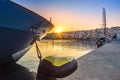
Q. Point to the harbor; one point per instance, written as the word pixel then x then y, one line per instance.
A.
pixel 100 64
pixel 26 67
pixel 59 40
pixel 61 48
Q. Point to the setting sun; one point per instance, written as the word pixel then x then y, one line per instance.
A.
pixel 58 30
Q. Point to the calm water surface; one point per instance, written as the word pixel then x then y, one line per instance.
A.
pixel 72 48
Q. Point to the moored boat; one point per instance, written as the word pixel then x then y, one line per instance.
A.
pixel 16 30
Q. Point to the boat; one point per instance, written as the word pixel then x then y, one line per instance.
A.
pixel 18 26
pixel 103 39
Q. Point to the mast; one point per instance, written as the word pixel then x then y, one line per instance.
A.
pixel 104 21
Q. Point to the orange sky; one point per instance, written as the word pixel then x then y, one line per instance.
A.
pixel 70 21
pixel 72 15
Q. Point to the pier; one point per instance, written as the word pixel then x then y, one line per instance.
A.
pixel 100 64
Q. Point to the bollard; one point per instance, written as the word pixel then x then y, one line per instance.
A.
pixel 53 67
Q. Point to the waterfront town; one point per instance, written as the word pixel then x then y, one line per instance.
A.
pixel 86 34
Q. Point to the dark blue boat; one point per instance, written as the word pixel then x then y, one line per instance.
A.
pixel 16 30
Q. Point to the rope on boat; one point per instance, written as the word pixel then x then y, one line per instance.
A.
pixel 39 54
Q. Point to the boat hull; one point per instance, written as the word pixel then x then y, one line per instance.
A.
pixel 13 41
pixel 18 26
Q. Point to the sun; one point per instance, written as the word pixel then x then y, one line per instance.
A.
pixel 58 31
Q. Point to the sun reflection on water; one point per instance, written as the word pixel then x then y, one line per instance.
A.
pixel 59 48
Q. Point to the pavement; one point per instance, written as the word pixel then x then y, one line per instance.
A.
pixel 100 64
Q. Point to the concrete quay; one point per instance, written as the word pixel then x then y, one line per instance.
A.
pixel 100 64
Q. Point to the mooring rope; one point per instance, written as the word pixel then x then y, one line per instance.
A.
pixel 39 54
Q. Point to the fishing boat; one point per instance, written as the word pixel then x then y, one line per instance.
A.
pixel 18 26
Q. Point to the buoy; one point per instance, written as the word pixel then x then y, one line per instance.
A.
pixel 53 67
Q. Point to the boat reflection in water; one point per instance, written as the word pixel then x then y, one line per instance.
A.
pixel 59 48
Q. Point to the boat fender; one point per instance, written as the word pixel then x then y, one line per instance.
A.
pixel 53 67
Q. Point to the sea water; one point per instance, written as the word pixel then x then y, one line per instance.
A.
pixel 61 48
